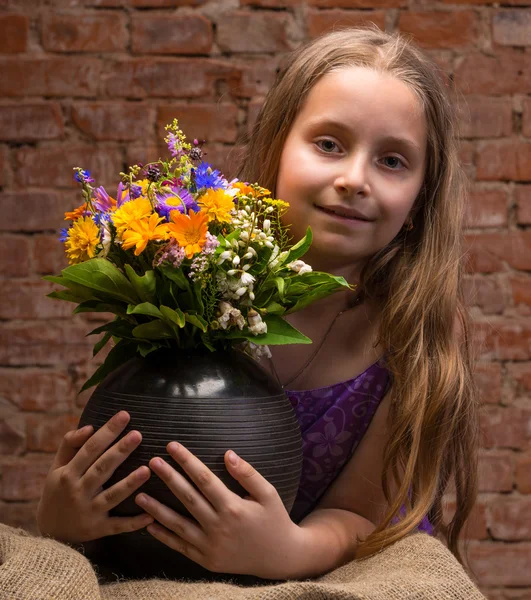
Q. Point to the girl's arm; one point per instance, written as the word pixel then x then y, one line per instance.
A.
pixel 351 508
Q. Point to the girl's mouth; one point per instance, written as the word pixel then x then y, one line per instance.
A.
pixel 341 215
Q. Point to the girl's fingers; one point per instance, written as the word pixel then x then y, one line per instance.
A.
pixel 70 444
pixel 116 525
pixel 96 445
pixel 210 485
pixel 193 500
pixel 185 528
pixel 176 543
pixel 111 497
pixel 250 479
pixel 106 464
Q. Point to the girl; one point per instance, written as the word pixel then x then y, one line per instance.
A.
pixel 358 135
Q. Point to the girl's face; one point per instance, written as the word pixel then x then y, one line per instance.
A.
pixel 352 165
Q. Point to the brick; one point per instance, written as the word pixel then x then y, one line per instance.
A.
pixel 467 156
pixel 32 302
pixel 521 373
pixel 475 527
pixel 512 27
pixel 12 440
pixel 13 34
pixel 486 117
pixel 507 72
pixel 116 121
pixel 33 211
pixel 521 292
pixel 45 343
pixel 358 3
pixel 505 427
pixel 38 390
pixel 487 2
pixel 30 122
pixel 523 473
pixel 526 116
pixel 210 122
pixel 510 518
pixel 323 21
pixel 264 32
pixel 45 432
pixel 503 339
pixel 488 252
pixel 53 167
pixel 437 29
pixel 487 293
pixel 523 204
pixel 165 34
pixel 487 207
pixel 22 479
pixel 4 166
pixel 14 256
pixel 68 76
pixel 175 78
pixel 501 564
pixel 165 3
pixel 496 470
pixel 48 255
pixel 84 32
pixel 488 378
pixel 271 3
pixel 20 514
pixel 257 76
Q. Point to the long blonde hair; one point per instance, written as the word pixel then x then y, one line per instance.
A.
pixel 415 280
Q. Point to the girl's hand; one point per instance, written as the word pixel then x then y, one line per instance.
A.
pixel 74 507
pixel 247 536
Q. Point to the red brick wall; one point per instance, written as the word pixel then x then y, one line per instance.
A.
pixel 92 82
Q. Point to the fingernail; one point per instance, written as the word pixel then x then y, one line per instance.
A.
pixel 234 459
pixel 173 447
pixel 141 499
pixel 122 418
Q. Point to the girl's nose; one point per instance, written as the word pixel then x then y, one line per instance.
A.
pixel 353 177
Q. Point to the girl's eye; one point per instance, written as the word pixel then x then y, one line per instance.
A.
pixel 327 146
pixel 393 162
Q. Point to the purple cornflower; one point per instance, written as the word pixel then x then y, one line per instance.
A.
pixel 122 195
pixel 207 177
pixel 168 201
pixel 64 234
pixel 82 176
pixel 135 191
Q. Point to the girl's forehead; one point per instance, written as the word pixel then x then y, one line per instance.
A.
pixel 354 96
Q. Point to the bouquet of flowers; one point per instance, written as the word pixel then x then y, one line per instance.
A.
pixel 182 257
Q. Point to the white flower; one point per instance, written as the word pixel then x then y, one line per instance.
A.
pixel 247 279
pixel 300 267
pixel 256 351
pixel 230 316
pixel 224 256
pixel 256 325
pixel 106 238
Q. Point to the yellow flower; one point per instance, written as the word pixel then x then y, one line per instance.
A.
pixel 83 237
pixel 134 210
pixel 76 213
pixel 144 184
pixel 217 204
pixel 142 231
pixel 189 230
pixel 255 190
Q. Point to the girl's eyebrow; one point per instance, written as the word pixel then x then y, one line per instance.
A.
pixel 335 124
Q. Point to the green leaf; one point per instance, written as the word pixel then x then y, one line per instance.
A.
pixel 119 354
pixel 118 328
pixel 154 330
pixel 274 308
pixel 177 276
pixel 319 292
pixel 145 348
pixel 146 308
pixel 145 285
pixel 101 275
pixel 279 332
pixel 97 306
pixel 197 320
pixel 281 286
pixel 79 290
pixel 301 247
pixel 99 345
pixel 65 295
pixel 175 316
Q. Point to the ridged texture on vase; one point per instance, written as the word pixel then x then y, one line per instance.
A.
pixel 208 402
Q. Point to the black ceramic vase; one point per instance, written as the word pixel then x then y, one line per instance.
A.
pixel 210 402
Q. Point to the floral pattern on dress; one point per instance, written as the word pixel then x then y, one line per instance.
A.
pixel 333 420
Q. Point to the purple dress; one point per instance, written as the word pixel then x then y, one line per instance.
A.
pixel 333 420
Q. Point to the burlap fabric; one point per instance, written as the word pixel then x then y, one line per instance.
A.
pixel 419 566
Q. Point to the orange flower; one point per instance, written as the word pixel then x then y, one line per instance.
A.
pixel 77 213
pixel 246 190
pixel 142 231
pixel 189 230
